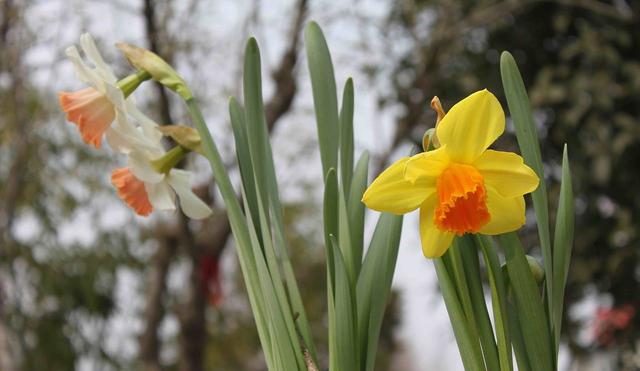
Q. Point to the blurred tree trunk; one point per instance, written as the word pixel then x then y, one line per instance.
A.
pixel 16 126
pixel 167 243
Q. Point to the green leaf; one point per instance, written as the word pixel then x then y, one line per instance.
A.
pixel 238 124
pixel 279 319
pixel 562 244
pixel 471 264
pixel 518 339
pixel 470 354
pixel 374 284
pixel 457 273
pixel 346 137
pixel 527 136
pixel 356 208
pixel 239 227
pixel 352 260
pixel 330 211
pixel 268 190
pixel 325 100
pixel 345 318
pixel 284 306
pixel 533 317
pixel 254 116
pixel 498 299
pixel 331 314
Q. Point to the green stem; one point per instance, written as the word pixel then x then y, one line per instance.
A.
pixel 239 228
pixel 170 159
pixel 131 82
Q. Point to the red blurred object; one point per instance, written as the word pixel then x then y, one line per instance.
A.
pixel 610 321
pixel 210 273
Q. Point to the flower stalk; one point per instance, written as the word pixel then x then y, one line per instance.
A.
pixel 131 82
pixel 170 159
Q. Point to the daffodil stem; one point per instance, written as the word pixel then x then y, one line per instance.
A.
pixel 238 225
pixel 170 159
pixel 131 82
pixel 217 166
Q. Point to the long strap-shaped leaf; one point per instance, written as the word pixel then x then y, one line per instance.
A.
pixel 346 136
pixel 323 84
pixel 374 284
pixel 562 244
pixel 345 317
pixel 469 352
pixel 532 315
pixel 527 136
pixel 239 228
pixel 471 264
pixel 498 299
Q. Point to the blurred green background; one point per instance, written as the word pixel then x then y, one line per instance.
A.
pixel 84 284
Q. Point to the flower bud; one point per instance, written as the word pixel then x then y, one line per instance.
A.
pixel 432 138
pixel 437 106
pixel 159 70
pixel 536 269
pixel 427 139
pixel 185 136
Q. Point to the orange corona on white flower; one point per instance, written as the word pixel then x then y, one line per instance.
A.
pixel 91 110
pixel 132 191
pixel 95 108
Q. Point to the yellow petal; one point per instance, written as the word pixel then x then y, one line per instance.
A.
pixel 471 126
pixel 434 241
pixel 390 191
pixel 507 213
pixel 507 173
pixel 425 168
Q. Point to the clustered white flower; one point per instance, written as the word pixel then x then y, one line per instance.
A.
pixel 135 135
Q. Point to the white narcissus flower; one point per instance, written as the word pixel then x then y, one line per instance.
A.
pixel 143 186
pixel 104 108
pixel 95 108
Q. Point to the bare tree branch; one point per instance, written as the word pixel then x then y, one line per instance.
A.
pixel 154 311
pixel 17 123
pixel 167 242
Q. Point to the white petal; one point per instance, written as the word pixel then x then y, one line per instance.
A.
pixel 149 127
pixel 92 53
pixel 84 72
pixel 161 196
pixel 192 206
pixel 141 167
pixel 135 138
pixel 117 141
pixel 115 95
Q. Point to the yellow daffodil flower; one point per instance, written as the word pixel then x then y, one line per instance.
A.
pixel 460 187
